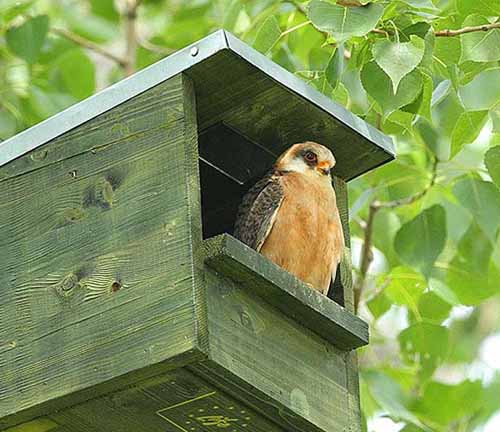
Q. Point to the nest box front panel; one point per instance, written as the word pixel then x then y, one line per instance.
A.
pixel 96 262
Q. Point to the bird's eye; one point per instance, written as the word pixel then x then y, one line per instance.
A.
pixel 310 156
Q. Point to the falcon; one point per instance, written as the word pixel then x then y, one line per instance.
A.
pixel 290 216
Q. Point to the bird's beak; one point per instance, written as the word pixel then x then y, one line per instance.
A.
pixel 324 168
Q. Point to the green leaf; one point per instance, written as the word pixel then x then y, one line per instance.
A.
pixel 447 50
pixel 379 305
pixel 26 40
pixel 105 9
pixel 77 72
pixel 467 129
pixel 445 403
pixel 471 274
pixel 480 46
pixel 267 35
pixel 7 125
pixel 425 345
pixel 420 241
pixel 422 105
pixel 10 9
pixel 378 85
pixel 389 396
pixel 404 287
pixel 344 22
pixel 492 162
pixel 335 67
pixel 482 200
pixel 421 4
pixel 482 93
pixel 231 14
pixel 92 27
pixel 487 8
pixel 398 59
pixel 433 308
pixel 495 119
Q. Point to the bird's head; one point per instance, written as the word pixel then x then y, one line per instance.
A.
pixel 308 158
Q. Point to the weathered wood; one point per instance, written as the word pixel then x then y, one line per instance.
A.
pixel 261 277
pixel 276 118
pixel 253 340
pixel 97 268
pixel 116 315
pixel 260 99
pixel 347 286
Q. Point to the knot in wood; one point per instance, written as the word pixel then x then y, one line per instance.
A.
pixel 67 286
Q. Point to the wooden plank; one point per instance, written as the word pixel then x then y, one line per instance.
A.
pixel 258 275
pixel 259 344
pixel 98 274
pixel 347 286
pixel 266 111
pixel 129 121
pixel 267 103
pixel 177 401
pixel 267 407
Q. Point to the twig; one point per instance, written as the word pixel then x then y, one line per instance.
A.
pixel 438 33
pixel 130 16
pixel 366 250
pixel 84 43
pixel 155 48
pixel 485 27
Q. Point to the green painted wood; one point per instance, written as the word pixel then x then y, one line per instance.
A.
pixel 347 286
pixel 267 407
pixel 98 277
pixel 276 117
pixel 253 340
pixel 261 99
pixel 260 277
pixel 177 401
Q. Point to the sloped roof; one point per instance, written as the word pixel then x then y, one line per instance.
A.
pixel 241 88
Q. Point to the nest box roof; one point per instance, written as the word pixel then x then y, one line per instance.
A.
pixel 241 89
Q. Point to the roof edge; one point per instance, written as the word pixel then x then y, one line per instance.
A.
pixel 110 97
pixel 300 87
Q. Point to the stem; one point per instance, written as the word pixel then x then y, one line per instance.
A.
pixel 485 27
pixel 130 35
pixel 84 43
pixel 439 33
pixel 366 250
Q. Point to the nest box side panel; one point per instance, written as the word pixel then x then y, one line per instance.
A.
pixel 97 272
pixel 255 342
pixel 346 285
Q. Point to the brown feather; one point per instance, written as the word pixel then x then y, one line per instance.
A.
pixel 306 238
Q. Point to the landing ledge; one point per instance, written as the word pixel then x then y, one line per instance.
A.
pixel 313 310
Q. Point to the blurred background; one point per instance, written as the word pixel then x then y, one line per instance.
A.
pixel 425 243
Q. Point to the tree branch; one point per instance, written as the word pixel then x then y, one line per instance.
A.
pixel 157 49
pixel 485 27
pixel 366 250
pixel 84 43
pixel 438 33
pixel 130 16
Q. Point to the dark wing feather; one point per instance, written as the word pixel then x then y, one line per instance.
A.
pixel 258 209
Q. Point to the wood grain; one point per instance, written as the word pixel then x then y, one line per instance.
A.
pixel 256 342
pixel 260 277
pixel 96 260
pixel 268 113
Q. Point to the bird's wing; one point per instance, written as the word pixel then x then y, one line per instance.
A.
pixel 258 210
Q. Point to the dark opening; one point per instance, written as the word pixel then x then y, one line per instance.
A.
pixel 230 164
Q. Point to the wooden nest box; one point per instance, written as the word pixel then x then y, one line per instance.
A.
pixel 125 304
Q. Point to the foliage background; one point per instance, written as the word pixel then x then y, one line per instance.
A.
pixel 425 228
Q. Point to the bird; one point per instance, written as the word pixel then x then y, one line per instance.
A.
pixel 291 217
